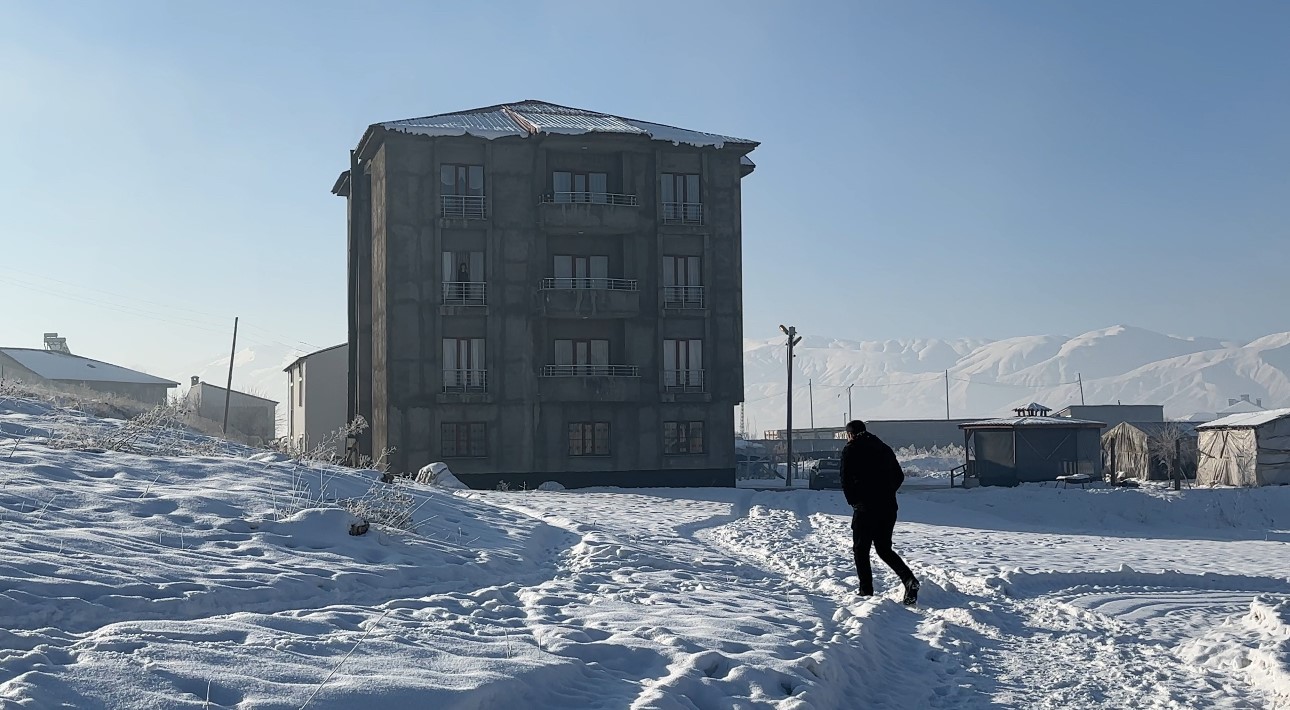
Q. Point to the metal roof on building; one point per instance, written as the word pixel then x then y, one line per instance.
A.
pixel 1031 421
pixel 532 117
pixel 65 367
pixel 1247 419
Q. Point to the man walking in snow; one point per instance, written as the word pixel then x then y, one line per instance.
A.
pixel 871 476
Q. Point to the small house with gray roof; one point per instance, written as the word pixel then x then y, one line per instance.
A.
pixel 1030 447
pixel 55 366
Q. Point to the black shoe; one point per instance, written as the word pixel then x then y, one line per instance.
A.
pixel 911 592
pixel 864 593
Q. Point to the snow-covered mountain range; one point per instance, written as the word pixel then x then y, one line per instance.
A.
pixel 907 378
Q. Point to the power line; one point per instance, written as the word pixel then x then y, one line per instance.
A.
pixel 153 314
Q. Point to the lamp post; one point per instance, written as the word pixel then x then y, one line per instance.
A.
pixel 793 339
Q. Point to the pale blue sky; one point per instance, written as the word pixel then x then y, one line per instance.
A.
pixel 926 169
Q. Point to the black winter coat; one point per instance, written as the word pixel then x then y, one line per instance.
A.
pixel 871 475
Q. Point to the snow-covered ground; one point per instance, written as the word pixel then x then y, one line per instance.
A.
pixel 136 580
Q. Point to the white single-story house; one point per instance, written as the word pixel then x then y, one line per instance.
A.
pixel 317 399
pixel 248 415
pixel 62 370
pixel 1251 449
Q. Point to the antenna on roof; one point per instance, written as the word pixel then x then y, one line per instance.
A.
pixel 53 343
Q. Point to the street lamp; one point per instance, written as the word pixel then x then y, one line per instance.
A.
pixel 793 339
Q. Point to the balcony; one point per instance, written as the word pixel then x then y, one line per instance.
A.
pixel 685 386
pixel 684 298
pixel 591 371
pixel 590 298
pixel 465 381
pixel 590 383
pixel 463 206
pixel 464 387
pixel 603 212
pixel 683 381
pixel 464 298
pixel 684 213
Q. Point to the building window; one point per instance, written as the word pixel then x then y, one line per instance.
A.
pixel 683 281
pixel 579 187
pixel 463 440
pixel 682 437
pixel 589 439
pixel 300 385
pixel 682 202
pixel 463 365
pixel 683 365
pixel 463 278
pixel 585 355
pixel 581 271
pixel 462 190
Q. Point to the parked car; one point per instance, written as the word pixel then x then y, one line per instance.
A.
pixel 826 474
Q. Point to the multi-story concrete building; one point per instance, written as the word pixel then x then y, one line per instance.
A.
pixel 316 400
pixel 545 293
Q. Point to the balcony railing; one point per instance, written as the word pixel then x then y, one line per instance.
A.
pixel 465 380
pixel 465 206
pixel 683 297
pixel 594 198
pixel 683 213
pixel 683 380
pixel 465 293
pixel 577 282
pixel 591 371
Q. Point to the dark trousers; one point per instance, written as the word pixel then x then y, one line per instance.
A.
pixel 875 529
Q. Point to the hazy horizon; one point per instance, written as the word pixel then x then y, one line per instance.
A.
pixel 935 170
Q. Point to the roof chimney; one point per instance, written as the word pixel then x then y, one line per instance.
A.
pixel 195 380
pixel 1231 401
pixel 53 343
pixel 1259 401
pixel 1245 398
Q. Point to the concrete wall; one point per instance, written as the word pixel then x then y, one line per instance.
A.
pixel 247 415
pixel 1113 414
pixel 318 404
pixel 526 415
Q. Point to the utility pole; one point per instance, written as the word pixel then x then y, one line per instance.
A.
pixel 810 392
pixel 849 402
pixel 947 394
pixel 1080 379
pixel 793 339
pixel 228 389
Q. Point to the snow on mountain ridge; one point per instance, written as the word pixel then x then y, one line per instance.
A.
pixel 1122 363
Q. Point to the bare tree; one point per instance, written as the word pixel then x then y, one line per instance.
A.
pixel 1166 446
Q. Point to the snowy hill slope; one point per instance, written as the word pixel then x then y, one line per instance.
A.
pixel 228 579
pixel 906 379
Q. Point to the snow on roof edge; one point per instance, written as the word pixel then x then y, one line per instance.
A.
pixel 1247 419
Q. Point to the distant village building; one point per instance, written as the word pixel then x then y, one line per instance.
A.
pixel 1031 446
pixel 1114 414
pixel 55 366
pixel 1250 449
pixel 1235 405
pixel 544 293
pixel 316 399
pixel 249 415
pixel 1150 451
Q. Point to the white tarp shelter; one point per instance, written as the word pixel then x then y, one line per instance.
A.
pixel 1251 449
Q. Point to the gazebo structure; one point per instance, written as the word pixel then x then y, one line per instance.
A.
pixel 1031 446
